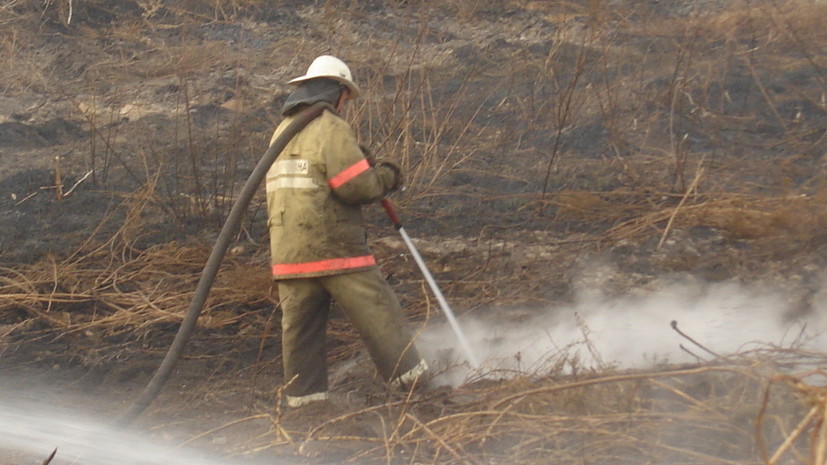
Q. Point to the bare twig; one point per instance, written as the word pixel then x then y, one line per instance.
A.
pixel 77 183
pixel 674 325
pixel 50 457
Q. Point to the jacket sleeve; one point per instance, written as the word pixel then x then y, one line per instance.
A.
pixel 349 173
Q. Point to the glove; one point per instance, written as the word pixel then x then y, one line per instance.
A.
pixel 398 179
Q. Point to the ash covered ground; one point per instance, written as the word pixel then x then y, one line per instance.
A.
pixel 557 155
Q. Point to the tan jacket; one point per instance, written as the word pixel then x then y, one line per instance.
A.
pixel 314 192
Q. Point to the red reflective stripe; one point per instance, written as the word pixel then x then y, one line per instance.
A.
pixel 349 173
pixel 323 265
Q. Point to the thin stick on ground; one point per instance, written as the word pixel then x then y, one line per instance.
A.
pixel 686 195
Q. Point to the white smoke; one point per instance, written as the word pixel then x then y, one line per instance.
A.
pixel 632 331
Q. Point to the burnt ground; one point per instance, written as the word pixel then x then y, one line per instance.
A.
pixel 539 139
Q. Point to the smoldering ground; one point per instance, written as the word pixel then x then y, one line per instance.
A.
pixel 635 330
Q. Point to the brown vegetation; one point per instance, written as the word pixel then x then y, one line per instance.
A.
pixel 573 128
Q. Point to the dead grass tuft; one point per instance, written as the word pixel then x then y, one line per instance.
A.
pixel 115 289
pixel 620 118
pixel 718 413
pixel 789 219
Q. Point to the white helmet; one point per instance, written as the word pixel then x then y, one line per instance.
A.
pixel 330 67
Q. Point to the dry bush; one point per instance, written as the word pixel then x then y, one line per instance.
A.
pixel 427 133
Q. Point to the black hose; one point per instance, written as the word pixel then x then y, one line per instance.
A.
pixel 229 231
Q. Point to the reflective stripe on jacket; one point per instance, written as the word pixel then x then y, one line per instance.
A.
pixel 315 190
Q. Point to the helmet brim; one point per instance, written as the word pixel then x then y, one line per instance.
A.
pixel 355 92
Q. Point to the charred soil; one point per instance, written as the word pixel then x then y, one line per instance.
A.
pixel 547 146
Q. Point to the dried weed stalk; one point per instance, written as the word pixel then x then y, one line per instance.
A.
pixel 117 288
pixel 704 414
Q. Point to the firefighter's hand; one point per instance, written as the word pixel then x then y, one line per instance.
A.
pixel 398 179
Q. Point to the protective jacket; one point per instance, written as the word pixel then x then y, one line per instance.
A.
pixel 315 190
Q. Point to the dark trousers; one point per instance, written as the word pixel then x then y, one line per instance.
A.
pixel 372 307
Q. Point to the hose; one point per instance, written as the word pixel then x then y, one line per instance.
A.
pixel 228 231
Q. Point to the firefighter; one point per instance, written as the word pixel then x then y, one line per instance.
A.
pixel 318 244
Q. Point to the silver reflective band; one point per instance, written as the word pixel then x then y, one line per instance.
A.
pixel 304 400
pixel 411 375
pixel 290 182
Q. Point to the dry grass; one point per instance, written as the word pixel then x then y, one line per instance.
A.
pixel 115 290
pixel 728 414
pixel 663 92
pixel 626 121
pixel 797 218
pixel 735 93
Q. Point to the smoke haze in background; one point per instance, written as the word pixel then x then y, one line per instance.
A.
pixel 632 331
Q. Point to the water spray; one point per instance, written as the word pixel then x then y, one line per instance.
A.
pixel 32 428
pixel 446 309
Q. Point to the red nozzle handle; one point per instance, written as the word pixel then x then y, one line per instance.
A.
pixel 397 223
